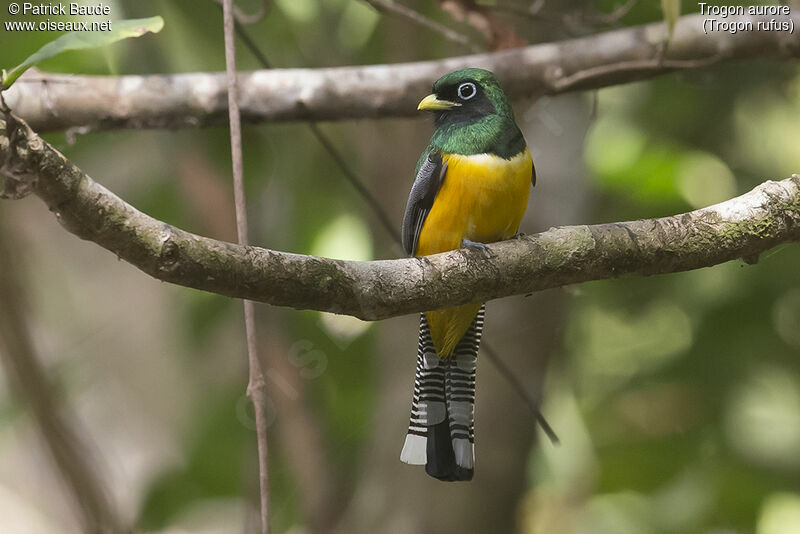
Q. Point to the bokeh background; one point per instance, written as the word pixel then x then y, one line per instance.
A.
pixel 676 398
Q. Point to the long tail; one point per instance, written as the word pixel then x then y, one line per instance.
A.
pixel 441 432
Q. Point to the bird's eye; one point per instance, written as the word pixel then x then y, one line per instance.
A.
pixel 467 90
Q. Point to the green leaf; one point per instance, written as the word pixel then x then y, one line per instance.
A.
pixel 81 40
pixel 672 10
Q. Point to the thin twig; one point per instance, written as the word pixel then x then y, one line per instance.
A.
pixel 247 18
pixel 619 11
pixel 320 505
pixel 533 12
pixel 422 20
pixel 255 386
pixel 575 79
pixel 64 437
pixel 506 373
pixel 499 34
pixel 359 186
pixel 570 19
pixel 252 46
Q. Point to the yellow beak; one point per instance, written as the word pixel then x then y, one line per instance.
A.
pixel 431 103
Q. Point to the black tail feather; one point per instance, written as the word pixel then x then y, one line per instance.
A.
pixel 441 461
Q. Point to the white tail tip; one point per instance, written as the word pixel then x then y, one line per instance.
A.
pixel 415 450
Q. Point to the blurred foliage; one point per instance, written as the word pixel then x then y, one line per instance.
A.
pixel 677 398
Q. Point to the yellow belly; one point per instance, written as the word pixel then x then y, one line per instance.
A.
pixel 483 199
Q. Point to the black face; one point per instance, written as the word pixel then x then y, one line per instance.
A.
pixel 473 104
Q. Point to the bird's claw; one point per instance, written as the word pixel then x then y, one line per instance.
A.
pixel 483 247
pixel 466 243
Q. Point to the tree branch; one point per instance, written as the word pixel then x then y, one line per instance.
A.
pixel 56 102
pixel 742 227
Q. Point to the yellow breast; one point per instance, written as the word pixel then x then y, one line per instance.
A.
pixel 483 198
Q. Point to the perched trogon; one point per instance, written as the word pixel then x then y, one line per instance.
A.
pixel 471 188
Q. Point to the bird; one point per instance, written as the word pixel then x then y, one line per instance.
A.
pixel 471 188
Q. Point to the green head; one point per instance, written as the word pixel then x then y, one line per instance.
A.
pixel 472 115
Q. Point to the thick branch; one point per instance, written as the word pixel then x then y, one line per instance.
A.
pixel 55 102
pixel 739 228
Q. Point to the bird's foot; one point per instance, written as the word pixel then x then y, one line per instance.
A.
pixel 466 243
pixel 483 247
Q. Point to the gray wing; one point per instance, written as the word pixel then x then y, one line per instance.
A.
pixel 429 179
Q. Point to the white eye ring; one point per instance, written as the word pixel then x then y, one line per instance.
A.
pixel 467 90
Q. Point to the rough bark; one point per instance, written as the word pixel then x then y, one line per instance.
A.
pixel 742 227
pixel 86 103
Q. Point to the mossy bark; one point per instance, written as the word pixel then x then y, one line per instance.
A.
pixel 742 227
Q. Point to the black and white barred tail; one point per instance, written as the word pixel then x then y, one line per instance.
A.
pixel 441 432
